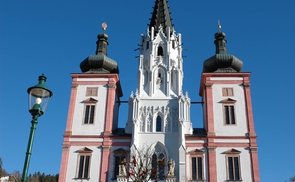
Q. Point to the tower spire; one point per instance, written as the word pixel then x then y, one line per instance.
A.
pixel 161 16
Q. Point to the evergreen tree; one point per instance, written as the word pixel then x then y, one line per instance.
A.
pixel 0 167
pixel 35 177
pixel 2 170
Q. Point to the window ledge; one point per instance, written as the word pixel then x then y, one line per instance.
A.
pixel 82 179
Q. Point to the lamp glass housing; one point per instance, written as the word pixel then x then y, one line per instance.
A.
pixel 39 95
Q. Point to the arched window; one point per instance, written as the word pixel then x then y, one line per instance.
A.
pixel 154 166
pixel 161 166
pixel 158 167
pixel 119 155
pixel 159 159
pixel 160 51
pixel 158 124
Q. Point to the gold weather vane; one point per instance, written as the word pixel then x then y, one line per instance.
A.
pixel 104 26
pixel 219 26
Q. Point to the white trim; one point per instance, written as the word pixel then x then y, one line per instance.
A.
pixel 86 140
pixel 226 78
pixel 231 140
pixel 92 79
pixel 121 140
pixel 196 141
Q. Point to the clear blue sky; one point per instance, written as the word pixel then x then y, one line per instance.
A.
pixel 55 36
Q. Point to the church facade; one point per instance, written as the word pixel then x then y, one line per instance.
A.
pixel 225 149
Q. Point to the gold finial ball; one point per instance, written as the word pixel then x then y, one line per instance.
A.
pixel 219 26
pixel 104 26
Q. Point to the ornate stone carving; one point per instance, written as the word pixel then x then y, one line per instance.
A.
pixel 246 84
pixel 208 85
pixel 149 125
pixel 167 111
pixel 132 95
pixel 171 166
pixel 146 64
pixel 142 122
pixel 146 116
pixel 74 85
pixel 66 147
pixel 122 168
pixel 159 80
pixel 170 179
pixel 111 86
pixel 175 117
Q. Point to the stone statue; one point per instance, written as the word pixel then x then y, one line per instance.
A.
pixel 122 168
pixel 171 166
pixel 159 80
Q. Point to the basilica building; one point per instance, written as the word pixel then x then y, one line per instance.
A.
pixel 95 149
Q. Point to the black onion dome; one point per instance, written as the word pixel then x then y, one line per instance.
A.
pixel 100 63
pixel 222 61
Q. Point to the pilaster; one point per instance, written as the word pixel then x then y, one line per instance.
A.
pixel 211 167
pixel 71 111
pixel 110 108
pixel 249 111
pixel 105 160
pixel 209 115
pixel 254 163
pixel 64 163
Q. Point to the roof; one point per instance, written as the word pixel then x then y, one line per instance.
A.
pixel 199 132
pixel 161 16
pixel 100 63
pixel 222 61
pixel 120 132
pixel 8 179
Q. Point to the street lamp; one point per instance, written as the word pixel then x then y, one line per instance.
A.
pixel 39 96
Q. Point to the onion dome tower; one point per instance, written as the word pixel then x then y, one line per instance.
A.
pixel 92 118
pixel 222 61
pixel 100 63
pixel 228 118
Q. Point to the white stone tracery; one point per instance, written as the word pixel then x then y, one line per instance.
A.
pixel 148 114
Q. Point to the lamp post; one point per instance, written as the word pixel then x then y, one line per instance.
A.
pixel 39 96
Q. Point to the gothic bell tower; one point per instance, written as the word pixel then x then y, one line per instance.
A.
pixel 158 110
